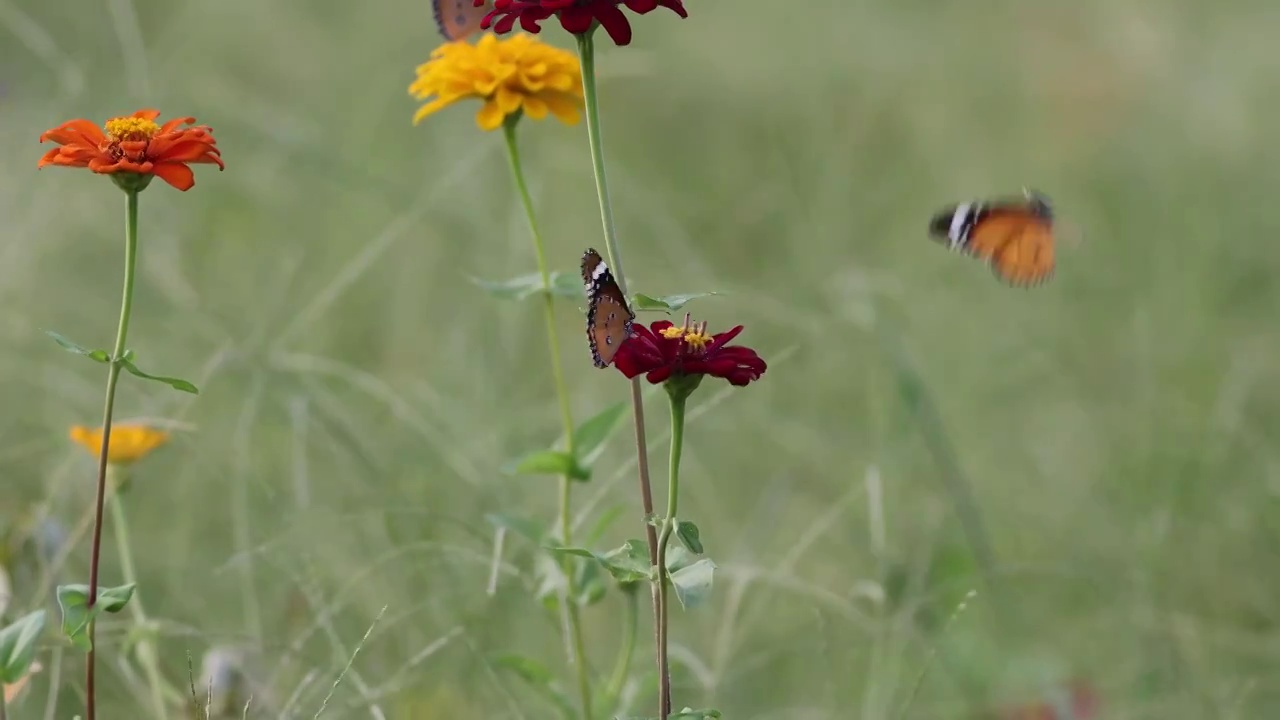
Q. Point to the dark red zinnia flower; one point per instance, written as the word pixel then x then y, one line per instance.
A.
pixel 665 350
pixel 1078 702
pixel 576 16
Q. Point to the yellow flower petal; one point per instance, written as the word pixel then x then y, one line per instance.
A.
pixel 518 72
pixel 129 442
pixel 564 107
pixel 490 116
pixel 535 107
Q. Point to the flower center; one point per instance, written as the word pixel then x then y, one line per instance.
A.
pixel 697 340
pixel 125 129
pixel 695 337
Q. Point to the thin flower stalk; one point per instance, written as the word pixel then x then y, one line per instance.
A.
pixel 113 376
pixel 586 53
pixel 569 601
pixel 678 401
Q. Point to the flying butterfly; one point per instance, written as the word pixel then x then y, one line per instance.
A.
pixel 608 317
pixel 459 19
pixel 1014 235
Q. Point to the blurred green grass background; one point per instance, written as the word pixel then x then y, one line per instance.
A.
pixel 359 394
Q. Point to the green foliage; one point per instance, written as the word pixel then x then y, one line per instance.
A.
pixel 689 536
pixel 76 613
pixel 538 677
pixel 667 303
pixel 175 383
pixel 691 577
pixel 18 645
pixel 627 563
pixel 564 285
pixel 101 356
pixel 590 436
pixel 548 462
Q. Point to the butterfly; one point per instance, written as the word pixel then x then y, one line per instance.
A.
pixel 608 317
pixel 459 19
pixel 1014 235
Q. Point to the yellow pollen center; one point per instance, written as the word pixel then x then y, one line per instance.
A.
pixel 672 332
pixel 124 129
pixel 697 340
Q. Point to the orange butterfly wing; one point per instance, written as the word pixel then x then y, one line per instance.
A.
pixel 1018 244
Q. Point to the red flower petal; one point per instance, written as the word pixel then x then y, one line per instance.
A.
pixel 659 376
pixel 720 339
pixel 614 22
pixel 660 358
pixel 577 19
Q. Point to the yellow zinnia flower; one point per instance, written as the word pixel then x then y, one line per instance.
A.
pixel 518 74
pixel 129 442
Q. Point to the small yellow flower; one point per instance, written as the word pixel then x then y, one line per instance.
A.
pixel 129 442
pixel 518 74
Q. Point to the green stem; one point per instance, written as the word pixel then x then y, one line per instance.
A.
pixel 622 666
pixel 562 390
pixel 146 649
pixel 591 101
pixel 566 415
pixel 668 524
pixel 113 375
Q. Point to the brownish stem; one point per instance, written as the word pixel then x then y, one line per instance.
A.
pixel 651 534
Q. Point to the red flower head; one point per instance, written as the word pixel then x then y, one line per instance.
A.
pixel 664 351
pixel 134 148
pixel 1076 702
pixel 576 16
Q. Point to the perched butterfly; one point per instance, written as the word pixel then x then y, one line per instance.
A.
pixel 608 317
pixel 459 19
pixel 1014 235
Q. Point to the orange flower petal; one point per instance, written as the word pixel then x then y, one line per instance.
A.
pixel 75 132
pixel 176 174
pixel 170 125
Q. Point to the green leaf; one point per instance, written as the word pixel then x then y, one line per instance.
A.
pixel 678 558
pixel 74 601
pixel 114 599
pixel 76 613
pixel 589 581
pixel 18 646
pixel 523 527
pixel 539 678
pixel 548 462
pixel 688 713
pixel 607 518
pixel 628 563
pixel 173 382
pixel 666 303
pixel 566 285
pixel 590 435
pixel 550 579
pixel 101 356
pixel 689 536
pixel 693 583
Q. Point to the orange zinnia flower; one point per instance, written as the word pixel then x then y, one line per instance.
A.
pixel 134 145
